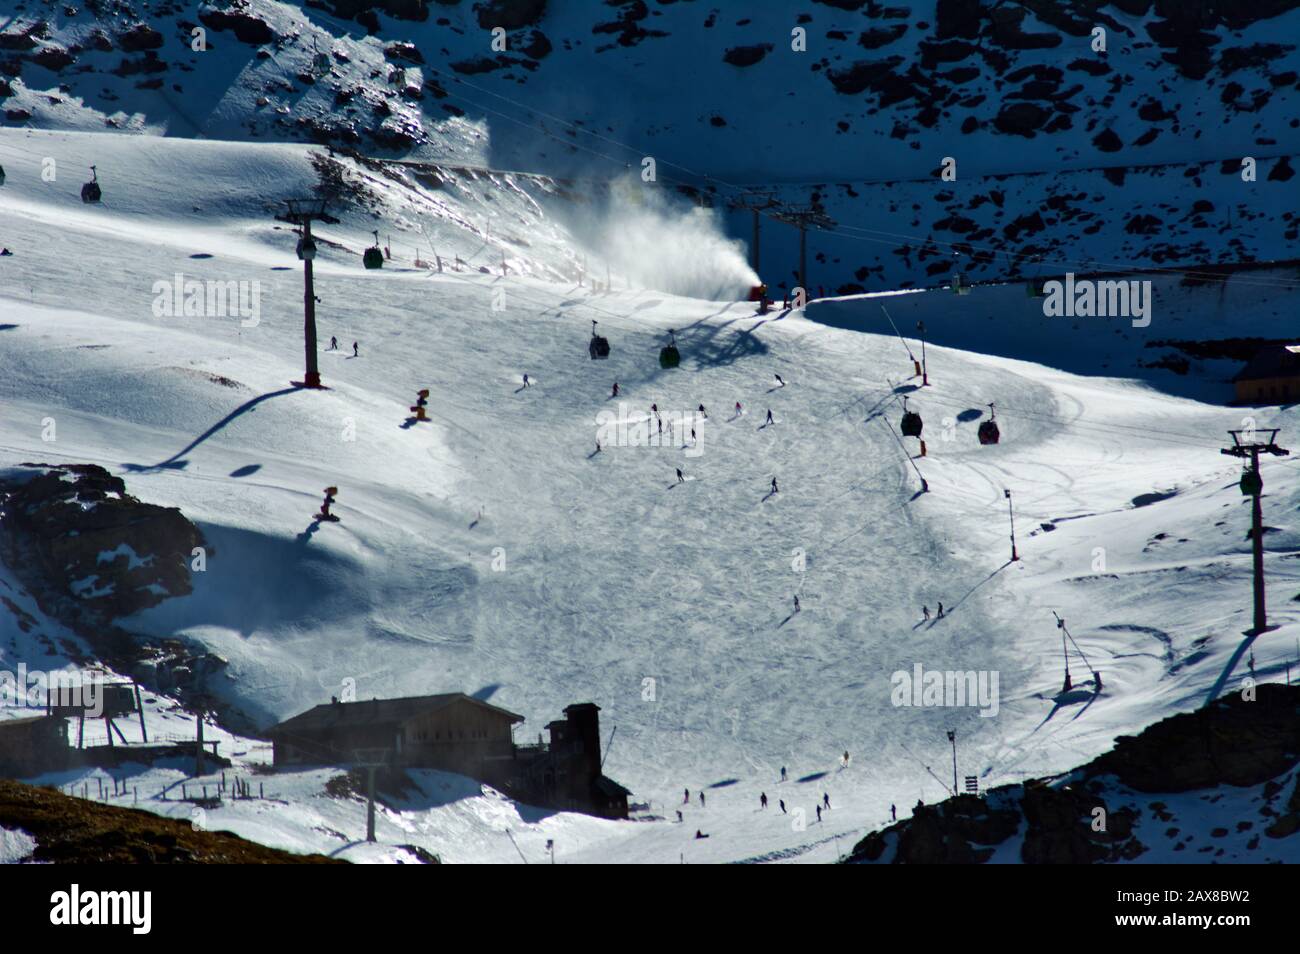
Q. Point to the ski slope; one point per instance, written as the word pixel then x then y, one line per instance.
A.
pixel 492 551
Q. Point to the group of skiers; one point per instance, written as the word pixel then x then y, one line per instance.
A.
pixel 334 346
pixel 925 612
pixel 824 805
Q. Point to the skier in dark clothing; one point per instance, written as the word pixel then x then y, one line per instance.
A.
pixel 762 799
pixel 781 802
pixel 355 352
pixel 819 813
pixel 774 486
pixel 893 815
pixel 769 417
pixel 679 815
pixel 796 603
pixel 701 799
pixel 783 773
pixel 680 478
pixel 826 800
pixel 700 834
pixel 525 380
pixel 779 382
pixel 925 612
pixel 655 409
pixel 703 412
pixel 614 393
pixel 334 343
pixel 940 615
pixel 686 798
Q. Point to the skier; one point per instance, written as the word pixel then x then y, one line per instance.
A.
pixel 701 799
pixel 893 814
pixel 700 834
pixel 355 352
pixel 1097 679
pixel 655 409
pixel 325 505
pixel 692 435
pixel 739 410
pixel 597 447
pixel 762 799
pixel 846 758
pixel 525 380
pixel 796 602
pixel 703 412
pixel 334 343
pixel 769 418
pixel 779 382
pixel 661 427
pixel 614 393
pixel 826 800
pixel 679 815
pixel 680 478
pixel 781 802
pixel 819 813
pixel 783 773
pixel 686 799
pixel 774 486
pixel 940 616
pixel 925 611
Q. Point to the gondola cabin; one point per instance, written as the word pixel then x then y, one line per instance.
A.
pixel 598 348
pixel 669 356
pixel 988 430
pixel 374 256
pixel 90 192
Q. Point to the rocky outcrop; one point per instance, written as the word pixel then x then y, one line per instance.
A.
pixel 1066 820
pixel 79 536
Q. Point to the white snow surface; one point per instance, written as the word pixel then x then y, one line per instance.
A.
pixel 667 604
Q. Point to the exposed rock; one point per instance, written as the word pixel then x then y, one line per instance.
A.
pixel 1021 119
pixel 72 530
pixel 747 55
pixel 247 27
pixel 139 38
pixel 509 14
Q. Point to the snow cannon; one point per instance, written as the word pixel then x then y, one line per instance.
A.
pixel 421 402
pixel 374 256
pixel 988 432
pixel 669 356
pixel 757 293
pixel 90 192
pixel 599 346
pixel 912 424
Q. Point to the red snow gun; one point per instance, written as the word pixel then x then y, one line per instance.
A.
pixel 421 402
pixel 325 505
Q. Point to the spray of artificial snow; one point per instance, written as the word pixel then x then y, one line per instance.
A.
pixel 664 243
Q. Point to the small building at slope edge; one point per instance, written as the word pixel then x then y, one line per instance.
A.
pixel 454 732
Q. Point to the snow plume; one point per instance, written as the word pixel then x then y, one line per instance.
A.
pixel 657 241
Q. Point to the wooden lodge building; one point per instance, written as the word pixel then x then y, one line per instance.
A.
pixel 1272 376
pixel 456 733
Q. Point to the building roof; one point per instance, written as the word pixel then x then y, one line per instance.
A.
pixel 1272 361
pixel 27 720
pixel 378 712
pixel 609 788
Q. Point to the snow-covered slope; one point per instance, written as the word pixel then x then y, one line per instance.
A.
pixel 1072 150
pixel 494 552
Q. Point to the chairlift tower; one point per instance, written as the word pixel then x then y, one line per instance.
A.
pixel 371 760
pixel 802 219
pixel 302 212
pixel 756 201
pixel 1252 485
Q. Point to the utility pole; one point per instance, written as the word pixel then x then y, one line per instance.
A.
pixel 925 377
pixel 802 219
pixel 952 737
pixel 371 760
pixel 1252 485
pixel 302 212
pixel 1011 513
